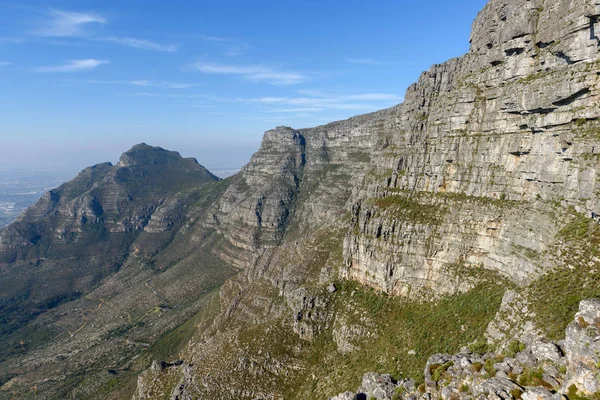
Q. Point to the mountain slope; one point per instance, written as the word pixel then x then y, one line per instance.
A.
pixel 483 179
pixel 465 216
pixel 84 257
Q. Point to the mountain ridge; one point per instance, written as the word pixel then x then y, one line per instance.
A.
pixel 463 216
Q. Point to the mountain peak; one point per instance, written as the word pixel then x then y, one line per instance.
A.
pixel 144 154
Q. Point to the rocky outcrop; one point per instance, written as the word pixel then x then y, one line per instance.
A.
pixel 472 179
pixel 539 371
pixel 479 142
pixel 582 348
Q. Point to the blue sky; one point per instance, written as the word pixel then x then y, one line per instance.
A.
pixel 82 81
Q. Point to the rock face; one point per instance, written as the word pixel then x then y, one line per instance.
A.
pixel 82 231
pixel 532 373
pixel 582 348
pixel 484 178
pixel 477 142
pixel 479 170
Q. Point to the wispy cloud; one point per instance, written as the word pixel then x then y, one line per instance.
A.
pixel 363 61
pixel 139 82
pixel 217 39
pixel 5 63
pixel 320 102
pixel 345 102
pixel 74 66
pixel 296 110
pixel 141 43
pixel 229 47
pixel 162 84
pixel 254 73
pixel 12 40
pixel 68 24
pixel 169 95
pixel 373 97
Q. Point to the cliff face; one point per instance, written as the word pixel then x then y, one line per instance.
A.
pixel 482 171
pixel 484 179
pixel 478 149
pixel 460 173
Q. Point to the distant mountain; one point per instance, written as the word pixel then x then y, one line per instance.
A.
pixel 82 232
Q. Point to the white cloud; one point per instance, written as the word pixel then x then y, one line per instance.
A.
pixel 363 61
pixel 254 73
pixel 336 103
pixel 374 97
pixel 4 63
pixel 217 39
pixel 318 102
pixel 68 24
pixel 139 83
pixel 11 40
pixel 229 47
pixel 141 43
pixel 168 85
pixel 312 92
pixel 294 110
pixel 74 66
pixel 74 24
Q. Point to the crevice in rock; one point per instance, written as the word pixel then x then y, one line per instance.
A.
pixel 514 52
pixel 542 110
pixel 568 100
pixel 543 45
pixel 593 19
pixel 565 57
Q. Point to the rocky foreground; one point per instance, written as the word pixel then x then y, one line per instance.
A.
pixel 533 369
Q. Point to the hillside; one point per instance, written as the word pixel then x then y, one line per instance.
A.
pixel 462 221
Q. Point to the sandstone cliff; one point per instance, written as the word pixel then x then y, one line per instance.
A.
pixel 478 181
pixel 467 215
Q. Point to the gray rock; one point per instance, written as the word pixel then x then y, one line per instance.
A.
pixel 500 386
pixel 583 348
pixel 526 358
pixel 344 396
pixel 546 351
pixel 537 393
pixel 409 385
pixel 381 387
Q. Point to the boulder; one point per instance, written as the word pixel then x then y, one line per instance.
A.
pixel 378 386
pixel 583 348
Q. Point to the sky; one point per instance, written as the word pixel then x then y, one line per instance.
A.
pixel 82 81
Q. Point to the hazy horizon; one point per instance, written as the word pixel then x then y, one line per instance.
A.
pixel 83 81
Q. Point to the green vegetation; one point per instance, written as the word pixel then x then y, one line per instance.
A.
pixel 438 372
pixel 515 347
pixel 480 347
pixel 517 393
pixel 410 209
pixel 555 296
pixel 533 77
pixel 359 157
pixel 573 394
pixel 405 334
pixel 586 129
pixel 490 371
pixel 534 377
